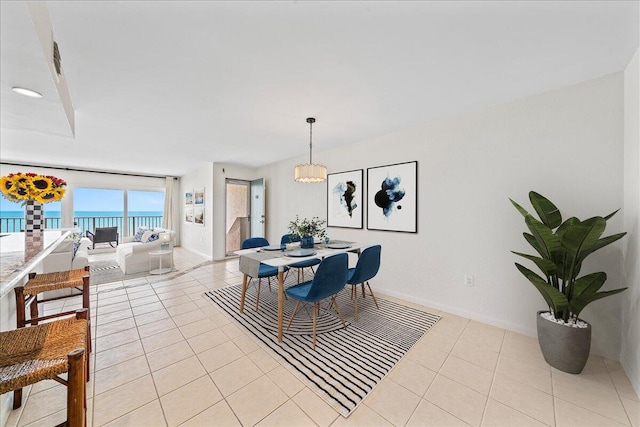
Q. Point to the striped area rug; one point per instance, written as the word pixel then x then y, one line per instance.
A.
pixel 347 362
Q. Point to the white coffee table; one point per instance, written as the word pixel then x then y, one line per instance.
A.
pixel 160 255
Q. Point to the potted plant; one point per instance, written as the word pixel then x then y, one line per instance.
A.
pixel 565 340
pixel 307 229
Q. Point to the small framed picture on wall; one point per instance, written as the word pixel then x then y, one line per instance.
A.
pixel 198 215
pixel 199 196
pixel 392 197
pixel 344 199
pixel 188 214
pixel 188 198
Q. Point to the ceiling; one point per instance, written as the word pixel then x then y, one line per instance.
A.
pixel 159 87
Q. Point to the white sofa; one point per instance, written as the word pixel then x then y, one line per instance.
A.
pixel 63 259
pixel 133 257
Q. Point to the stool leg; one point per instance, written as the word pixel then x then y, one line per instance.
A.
pixel 20 310
pixel 85 304
pixel 17 398
pixel 84 314
pixel 76 416
pixel 20 316
pixel 33 310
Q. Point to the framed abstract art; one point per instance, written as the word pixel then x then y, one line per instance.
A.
pixel 344 199
pixel 392 197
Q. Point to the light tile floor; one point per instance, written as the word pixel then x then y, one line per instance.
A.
pixel 165 356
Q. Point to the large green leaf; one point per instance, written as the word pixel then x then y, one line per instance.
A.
pixel 580 238
pixel 577 304
pixel 589 284
pixel 548 267
pixel 547 211
pixel 522 210
pixel 566 225
pixel 533 242
pixel 553 297
pixel 608 217
pixel 548 241
pixel 601 243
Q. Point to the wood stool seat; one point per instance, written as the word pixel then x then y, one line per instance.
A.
pixel 53 281
pixel 30 355
pixel 47 282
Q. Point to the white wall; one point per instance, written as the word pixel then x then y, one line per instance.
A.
pixel 195 237
pixel 566 144
pixel 630 356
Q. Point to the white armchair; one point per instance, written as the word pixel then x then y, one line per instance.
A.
pixel 133 257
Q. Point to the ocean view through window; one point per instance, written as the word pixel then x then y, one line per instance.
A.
pixel 94 208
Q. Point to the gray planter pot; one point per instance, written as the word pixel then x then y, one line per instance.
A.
pixel 563 347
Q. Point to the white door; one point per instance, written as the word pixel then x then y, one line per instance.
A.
pixel 257 208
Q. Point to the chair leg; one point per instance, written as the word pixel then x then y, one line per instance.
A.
pixel 355 302
pixel 316 307
pixel 258 295
pixel 295 310
pixel 373 296
pixel 335 303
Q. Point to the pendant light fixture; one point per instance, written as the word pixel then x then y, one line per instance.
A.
pixel 308 172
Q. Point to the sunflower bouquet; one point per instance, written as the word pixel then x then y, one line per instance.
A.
pixel 20 187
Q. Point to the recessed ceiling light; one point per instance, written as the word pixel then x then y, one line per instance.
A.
pixel 27 92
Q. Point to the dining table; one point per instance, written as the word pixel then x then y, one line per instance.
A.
pixel 281 256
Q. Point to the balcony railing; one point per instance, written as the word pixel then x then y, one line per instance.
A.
pixel 84 223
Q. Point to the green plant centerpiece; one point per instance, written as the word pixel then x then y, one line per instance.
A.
pixel 561 249
pixel 306 229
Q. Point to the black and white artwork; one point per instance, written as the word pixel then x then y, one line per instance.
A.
pixel 392 197
pixel 344 199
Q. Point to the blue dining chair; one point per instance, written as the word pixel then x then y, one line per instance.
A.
pixel 330 278
pixel 366 268
pixel 264 270
pixel 300 266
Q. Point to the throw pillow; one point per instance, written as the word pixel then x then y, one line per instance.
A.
pixel 145 236
pixel 139 233
pixel 153 237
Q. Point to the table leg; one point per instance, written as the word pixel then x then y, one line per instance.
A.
pixel 244 291
pixel 280 301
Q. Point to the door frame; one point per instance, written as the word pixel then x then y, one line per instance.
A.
pixel 247 185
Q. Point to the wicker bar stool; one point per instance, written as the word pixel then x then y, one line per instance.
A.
pixel 30 355
pixel 39 283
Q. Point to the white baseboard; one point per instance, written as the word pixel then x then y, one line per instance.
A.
pixel 464 313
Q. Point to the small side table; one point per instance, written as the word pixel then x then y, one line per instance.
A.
pixel 160 254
